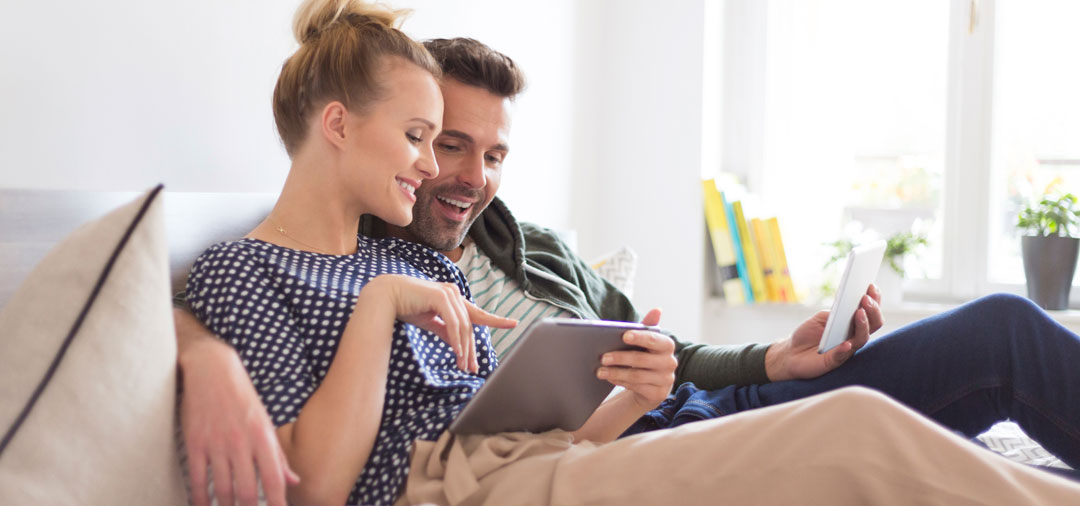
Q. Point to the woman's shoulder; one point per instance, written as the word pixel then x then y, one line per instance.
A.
pixel 245 248
pixel 413 259
pixel 247 254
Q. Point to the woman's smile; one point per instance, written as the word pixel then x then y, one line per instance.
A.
pixel 408 187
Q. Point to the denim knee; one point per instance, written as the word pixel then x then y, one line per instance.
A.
pixel 1007 305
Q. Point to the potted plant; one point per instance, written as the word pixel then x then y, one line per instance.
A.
pixel 897 247
pixel 1049 247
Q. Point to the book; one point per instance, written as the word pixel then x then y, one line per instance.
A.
pixel 787 288
pixel 736 240
pixel 750 254
pixel 760 234
pixel 730 285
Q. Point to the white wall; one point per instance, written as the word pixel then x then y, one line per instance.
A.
pixel 123 94
pixel 638 147
pixel 120 95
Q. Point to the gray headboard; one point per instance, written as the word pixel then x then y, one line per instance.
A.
pixel 32 221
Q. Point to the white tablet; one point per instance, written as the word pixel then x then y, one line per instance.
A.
pixel 548 381
pixel 860 270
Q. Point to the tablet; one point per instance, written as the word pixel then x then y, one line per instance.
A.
pixel 859 271
pixel 548 381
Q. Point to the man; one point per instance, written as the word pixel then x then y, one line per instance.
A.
pixel 523 271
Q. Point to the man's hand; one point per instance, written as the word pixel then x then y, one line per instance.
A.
pixel 225 425
pixel 797 358
pixel 648 374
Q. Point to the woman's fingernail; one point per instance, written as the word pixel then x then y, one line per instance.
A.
pixel 606 360
pixel 601 373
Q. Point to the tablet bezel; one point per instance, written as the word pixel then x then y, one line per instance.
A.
pixel 861 268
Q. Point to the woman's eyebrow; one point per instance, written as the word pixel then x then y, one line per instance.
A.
pixel 424 121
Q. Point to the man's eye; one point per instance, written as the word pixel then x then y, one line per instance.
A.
pixel 449 148
pixel 493 158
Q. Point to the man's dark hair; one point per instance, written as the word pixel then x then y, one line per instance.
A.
pixel 475 64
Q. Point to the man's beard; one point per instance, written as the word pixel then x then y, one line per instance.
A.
pixel 438 232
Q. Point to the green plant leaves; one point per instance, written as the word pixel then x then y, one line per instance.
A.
pixel 1050 216
pixel 896 247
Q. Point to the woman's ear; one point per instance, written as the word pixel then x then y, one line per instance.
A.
pixel 332 123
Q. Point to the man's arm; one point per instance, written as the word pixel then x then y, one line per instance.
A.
pixel 794 357
pixel 712 367
pixel 226 428
pixel 707 366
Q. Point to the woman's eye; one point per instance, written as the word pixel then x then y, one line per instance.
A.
pixel 415 139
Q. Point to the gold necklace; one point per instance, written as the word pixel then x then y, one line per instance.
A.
pixel 285 234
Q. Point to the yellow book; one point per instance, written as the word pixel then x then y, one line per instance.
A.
pixel 750 254
pixel 763 243
pixel 787 288
pixel 720 236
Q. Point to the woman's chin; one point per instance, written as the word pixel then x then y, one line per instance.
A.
pixel 402 219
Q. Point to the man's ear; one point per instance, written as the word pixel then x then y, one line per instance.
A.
pixel 332 123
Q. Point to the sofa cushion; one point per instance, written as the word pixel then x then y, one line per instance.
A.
pixel 87 373
pixel 618 268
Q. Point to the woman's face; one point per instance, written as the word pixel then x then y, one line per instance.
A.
pixel 388 150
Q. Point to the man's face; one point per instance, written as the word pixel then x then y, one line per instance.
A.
pixel 470 151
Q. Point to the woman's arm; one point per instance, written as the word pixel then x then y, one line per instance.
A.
pixel 647 376
pixel 333 436
pixel 330 441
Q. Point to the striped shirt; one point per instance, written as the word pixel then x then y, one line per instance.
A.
pixel 496 292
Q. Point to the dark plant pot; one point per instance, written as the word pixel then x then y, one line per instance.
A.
pixel 1049 265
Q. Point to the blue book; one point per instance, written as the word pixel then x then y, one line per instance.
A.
pixel 740 260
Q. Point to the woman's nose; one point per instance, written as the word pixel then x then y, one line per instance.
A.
pixel 427 164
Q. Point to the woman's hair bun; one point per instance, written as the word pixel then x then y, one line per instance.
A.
pixel 316 16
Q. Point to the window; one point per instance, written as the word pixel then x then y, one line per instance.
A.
pixel 1036 118
pixel 935 115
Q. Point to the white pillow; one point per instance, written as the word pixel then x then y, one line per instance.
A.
pixel 618 268
pixel 88 369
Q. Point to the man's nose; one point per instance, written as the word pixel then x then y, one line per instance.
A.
pixel 473 173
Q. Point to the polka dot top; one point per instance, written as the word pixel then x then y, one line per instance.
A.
pixel 285 310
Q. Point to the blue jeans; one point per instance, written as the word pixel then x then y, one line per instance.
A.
pixel 993 359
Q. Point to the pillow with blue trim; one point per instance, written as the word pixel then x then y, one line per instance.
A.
pixel 88 369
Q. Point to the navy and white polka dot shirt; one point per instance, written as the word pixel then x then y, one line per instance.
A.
pixel 285 310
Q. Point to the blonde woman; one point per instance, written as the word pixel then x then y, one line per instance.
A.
pixel 317 314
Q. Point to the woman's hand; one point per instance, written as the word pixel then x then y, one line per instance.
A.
pixel 649 374
pixel 440 308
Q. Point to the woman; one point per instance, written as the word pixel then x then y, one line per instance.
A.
pixel 364 350
pixel 357 107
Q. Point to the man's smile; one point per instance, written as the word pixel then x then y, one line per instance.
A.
pixel 456 209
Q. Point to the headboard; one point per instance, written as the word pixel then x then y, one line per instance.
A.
pixel 32 221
